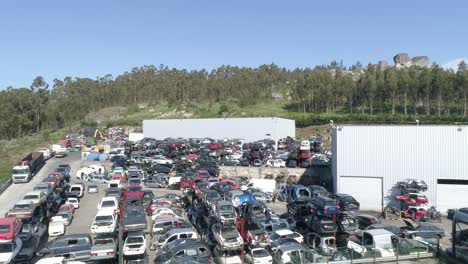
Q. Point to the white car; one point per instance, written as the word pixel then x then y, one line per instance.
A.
pixel 73 201
pixel 165 212
pixel 9 249
pixel 78 189
pixel 162 160
pixel 258 255
pixel 276 163
pixel 56 226
pixel 58 260
pixel 135 243
pixel 105 221
pixel 98 169
pixel 108 203
pixel 286 233
pixel 84 173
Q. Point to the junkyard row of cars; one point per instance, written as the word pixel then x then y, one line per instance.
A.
pixel 213 220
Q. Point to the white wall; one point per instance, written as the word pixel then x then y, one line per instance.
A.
pixel 399 152
pixel 250 129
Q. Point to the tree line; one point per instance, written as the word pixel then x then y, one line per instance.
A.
pixel 329 88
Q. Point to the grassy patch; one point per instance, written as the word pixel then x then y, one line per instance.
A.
pixel 13 150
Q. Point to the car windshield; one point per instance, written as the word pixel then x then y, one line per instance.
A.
pixel 134 213
pixel 75 189
pixel 212 195
pixel 260 253
pixel 103 218
pixel 228 229
pixel 63 215
pixel 103 241
pixel 22 206
pixel 60 169
pixel 30 197
pixel 134 240
pixel 41 188
pixel 226 209
pixel 20 171
pixel 4 229
pixel 107 204
pixel 6 247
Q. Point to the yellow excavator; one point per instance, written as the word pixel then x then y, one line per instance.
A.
pixel 98 133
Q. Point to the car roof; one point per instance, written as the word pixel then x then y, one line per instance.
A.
pixel 181 230
pixel 33 193
pixel 283 232
pixel 222 202
pixel 291 247
pixel 24 202
pixel 42 184
pixel 188 243
pixel 378 232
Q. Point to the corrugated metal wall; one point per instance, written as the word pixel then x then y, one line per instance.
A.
pixel 250 129
pixel 399 152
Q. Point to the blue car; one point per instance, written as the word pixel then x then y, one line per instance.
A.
pixel 326 205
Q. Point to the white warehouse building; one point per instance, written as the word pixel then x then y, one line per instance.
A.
pixel 248 129
pixel 368 161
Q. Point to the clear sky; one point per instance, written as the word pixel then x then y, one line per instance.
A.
pixel 90 38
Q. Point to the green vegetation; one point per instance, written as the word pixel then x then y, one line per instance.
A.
pixel 13 150
pixel 311 96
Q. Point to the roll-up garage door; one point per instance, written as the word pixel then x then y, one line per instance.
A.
pixel 366 190
pixel 451 194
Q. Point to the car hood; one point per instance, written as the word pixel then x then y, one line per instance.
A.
pixel 6 257
pixel 134 221
pixel 409 224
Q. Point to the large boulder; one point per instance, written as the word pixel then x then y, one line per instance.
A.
pixel 402 59
pixel 420 61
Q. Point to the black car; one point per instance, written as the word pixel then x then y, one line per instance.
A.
pixel 291 164
pixel 134 218
pixel 161 169
pixel 65 169
pixel 113 192
pixel 390 228
pixel 347 223
pixel 347 202
pixel 318 190
pixel 324 205
pixel 366 220
pixel 413 184
pixel 423 230
pixel 244 162
pixel 77 247
pixel 222 188
pixel 321 224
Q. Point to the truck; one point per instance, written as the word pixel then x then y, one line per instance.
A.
pixel 25 169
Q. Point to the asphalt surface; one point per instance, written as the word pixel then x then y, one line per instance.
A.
pixel 84 216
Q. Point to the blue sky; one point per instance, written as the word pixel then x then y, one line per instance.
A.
pixel 92 38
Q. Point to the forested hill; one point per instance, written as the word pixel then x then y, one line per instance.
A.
pixel 333 89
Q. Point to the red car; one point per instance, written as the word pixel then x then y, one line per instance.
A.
pixel 150 209
pixel 203 173
pixel 194 181
pixel 417 213
pixel 134 190
pixel 119 177
pixel 67 208
pixel 413 199
pixel 9 228
pixel 233 183
pixel 215 146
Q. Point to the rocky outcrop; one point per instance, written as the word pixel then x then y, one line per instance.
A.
pixel 421 61
pixel 403 60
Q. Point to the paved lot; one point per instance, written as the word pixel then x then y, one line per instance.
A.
pixel 84 216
